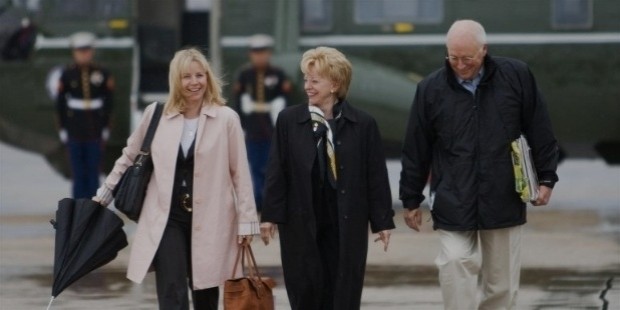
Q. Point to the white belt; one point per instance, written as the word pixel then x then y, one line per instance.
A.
pixel 273 107
pixel 81 104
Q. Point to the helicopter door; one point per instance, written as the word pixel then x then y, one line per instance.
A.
pixel 161 33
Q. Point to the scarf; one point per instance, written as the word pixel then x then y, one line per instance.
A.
pixel 325 143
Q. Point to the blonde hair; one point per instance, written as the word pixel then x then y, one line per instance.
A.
pixel 331 63
pixel 179 65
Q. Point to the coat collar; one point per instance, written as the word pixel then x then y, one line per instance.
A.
pixel 209 110
pixel 348 113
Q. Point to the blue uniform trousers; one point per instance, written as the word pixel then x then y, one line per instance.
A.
pixel 258 153
pixel 85 158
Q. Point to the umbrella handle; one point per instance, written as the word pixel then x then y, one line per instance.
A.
pixel 50 304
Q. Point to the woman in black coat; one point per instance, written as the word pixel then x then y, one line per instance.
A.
pixel 326 181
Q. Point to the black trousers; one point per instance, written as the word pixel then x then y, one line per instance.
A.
pixel 325 202
pixel 173 267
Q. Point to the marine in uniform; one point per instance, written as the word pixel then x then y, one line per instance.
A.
pixel 83 104
pixel 261 92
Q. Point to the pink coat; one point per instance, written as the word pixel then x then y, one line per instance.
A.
pixel 223 200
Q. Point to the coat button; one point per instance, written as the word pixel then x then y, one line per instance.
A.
pixel 338 142
pixel 341 167
pixel 343 191
pixel 346 217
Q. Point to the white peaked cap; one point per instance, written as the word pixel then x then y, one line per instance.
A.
pixel 261 41
pixel 82 40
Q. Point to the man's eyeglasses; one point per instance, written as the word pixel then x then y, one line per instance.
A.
pixel 466 60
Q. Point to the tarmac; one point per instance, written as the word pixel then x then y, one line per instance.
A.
pixel 571 248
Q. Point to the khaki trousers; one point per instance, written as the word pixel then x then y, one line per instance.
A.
pixel 485 259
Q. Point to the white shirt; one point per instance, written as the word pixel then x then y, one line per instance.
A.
pixel 472 85
pixel 190 126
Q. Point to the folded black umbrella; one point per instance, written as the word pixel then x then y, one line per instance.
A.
pixel 88 236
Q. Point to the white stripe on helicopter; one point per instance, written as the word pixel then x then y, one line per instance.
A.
pixel 50 43
pixel 434 39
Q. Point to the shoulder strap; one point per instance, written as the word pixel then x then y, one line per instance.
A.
pixel 150 132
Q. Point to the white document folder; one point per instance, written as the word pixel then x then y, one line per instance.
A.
pixel 526 180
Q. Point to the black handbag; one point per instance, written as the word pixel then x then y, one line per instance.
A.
pixel 130 191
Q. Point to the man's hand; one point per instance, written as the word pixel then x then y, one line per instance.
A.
pixel 384 236
pixel 544 195
pixel 267 231
pixel 413 218
pixel 63 136
pixel 105 134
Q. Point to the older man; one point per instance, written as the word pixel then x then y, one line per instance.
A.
pixel 462 122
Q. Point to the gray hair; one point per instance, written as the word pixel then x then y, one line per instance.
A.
pixel 468 27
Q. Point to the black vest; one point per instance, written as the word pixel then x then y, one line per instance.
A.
pixel 185 169
pixel 184 172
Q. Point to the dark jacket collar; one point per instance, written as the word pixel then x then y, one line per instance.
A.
pixel 348 112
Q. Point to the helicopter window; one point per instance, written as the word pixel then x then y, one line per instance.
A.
pixel 393 11
pixel 317 15
pixel 86 9
pixel 30 5
pixel 571 14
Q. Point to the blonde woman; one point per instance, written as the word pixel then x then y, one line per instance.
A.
pixel 199 203
pixel 326 182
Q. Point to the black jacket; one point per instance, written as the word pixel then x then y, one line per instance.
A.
pixel 363 197
pixel 464 140
pixel 84 121
pixel 258 126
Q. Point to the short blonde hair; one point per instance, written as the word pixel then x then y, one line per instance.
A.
pixel 179 65
pixel 330 63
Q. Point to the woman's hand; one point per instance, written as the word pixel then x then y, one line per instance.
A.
pixel 384 236
pixel 98 200
pixel 413 218
pixel 244 240
pixel 267 231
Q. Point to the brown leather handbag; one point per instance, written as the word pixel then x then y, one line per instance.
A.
pixel 250 292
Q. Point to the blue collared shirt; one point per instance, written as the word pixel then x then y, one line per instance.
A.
pixel 472 85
